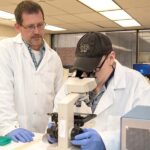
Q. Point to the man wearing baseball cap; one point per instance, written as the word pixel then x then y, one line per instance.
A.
pixel 90 50
pixel 119 89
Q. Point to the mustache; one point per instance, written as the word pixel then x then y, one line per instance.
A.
pixel 36 36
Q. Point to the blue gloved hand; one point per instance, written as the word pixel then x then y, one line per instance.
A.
pixel 89 140
pixel 21 135
pixel 51 139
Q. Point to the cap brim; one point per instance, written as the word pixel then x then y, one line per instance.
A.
pixel 86 64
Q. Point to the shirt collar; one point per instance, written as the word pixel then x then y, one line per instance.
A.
pixel 42 48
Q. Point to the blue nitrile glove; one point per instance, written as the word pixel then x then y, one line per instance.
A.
pixel 89 140
pixel 21 135
pixel 51 140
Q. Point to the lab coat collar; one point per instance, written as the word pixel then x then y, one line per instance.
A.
pixel 119 76
pixel 117 82
pixel 18 39
pixel 105 102
pixel 47 56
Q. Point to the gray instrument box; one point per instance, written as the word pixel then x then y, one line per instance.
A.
pixel 135 129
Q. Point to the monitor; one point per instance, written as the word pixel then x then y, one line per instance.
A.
pixel 142 68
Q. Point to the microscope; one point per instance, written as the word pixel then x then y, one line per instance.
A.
pixel 67 123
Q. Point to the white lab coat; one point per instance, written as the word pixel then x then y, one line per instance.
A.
pixel 126 89
pixel 26 94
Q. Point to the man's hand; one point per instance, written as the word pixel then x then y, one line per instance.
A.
pixel 21 135
pixel 89 140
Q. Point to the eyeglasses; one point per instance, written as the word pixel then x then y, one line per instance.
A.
pixel 99 67
pixel 32 27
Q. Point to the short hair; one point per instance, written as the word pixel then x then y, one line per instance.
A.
pixel 26 6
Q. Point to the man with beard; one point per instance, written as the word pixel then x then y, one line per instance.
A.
pixel 31 73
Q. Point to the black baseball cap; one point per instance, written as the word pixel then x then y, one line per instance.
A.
pixel 90 49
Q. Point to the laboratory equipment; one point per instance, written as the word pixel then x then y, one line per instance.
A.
pixel 135 129
pixel 143 69
pixel 68 122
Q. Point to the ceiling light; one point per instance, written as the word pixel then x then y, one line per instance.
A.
pixel 128 23
pixel 53 28
pixel 100 5
pixel 6 15
pixel 116 15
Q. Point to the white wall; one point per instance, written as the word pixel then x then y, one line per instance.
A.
pixel 6 31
